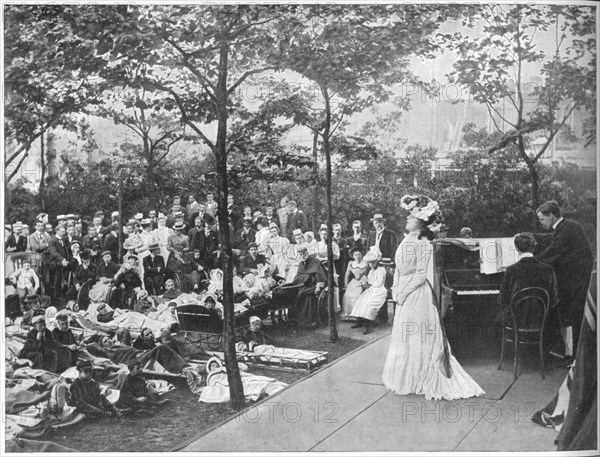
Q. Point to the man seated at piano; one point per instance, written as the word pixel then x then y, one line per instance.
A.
pixel 527 272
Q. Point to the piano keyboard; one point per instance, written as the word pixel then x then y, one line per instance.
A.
pixel 478 292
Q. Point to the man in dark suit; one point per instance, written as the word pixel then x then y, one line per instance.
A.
pixel 570 254
pixel 94 243
pixel 154 270
pixel 107 268
pixel 527 272
pixel 249 263
pixel 207 243
pixel 243 236
pixel 235 214
pixel 58 256
pixel 386 240
pixel 270 215
pixel 195 230
pixel 296 219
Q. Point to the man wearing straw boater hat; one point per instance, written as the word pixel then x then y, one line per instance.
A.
pixel 386 241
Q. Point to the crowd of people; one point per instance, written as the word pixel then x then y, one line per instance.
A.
pixel 170 254
pixel 180 249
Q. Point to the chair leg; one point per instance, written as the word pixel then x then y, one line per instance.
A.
pixel 502 348
pixel 542 356
pixel 516 355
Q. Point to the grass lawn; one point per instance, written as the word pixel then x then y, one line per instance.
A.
pixel 185 417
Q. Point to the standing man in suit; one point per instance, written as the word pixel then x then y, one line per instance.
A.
pixel 211 205
pixel 154 270
pixel 39 240
pixel 296 219
pixel 270 215
pixel 207 242
pixel 192 208
pixel 244 236
pixel 58 260
pixel 570 254
pixel 234 211
pixel 194 231
pixel 387 242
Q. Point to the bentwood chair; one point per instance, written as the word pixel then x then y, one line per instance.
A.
pixel 529 308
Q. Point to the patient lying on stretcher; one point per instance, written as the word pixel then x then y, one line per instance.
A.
pixel 254 340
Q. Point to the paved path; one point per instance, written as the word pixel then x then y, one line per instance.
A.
pixel 345 407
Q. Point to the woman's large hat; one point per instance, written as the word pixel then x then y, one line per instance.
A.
pixel 132 242
pixel 423 208
pixel 373 254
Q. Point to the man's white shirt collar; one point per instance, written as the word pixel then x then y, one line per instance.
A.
pixel 556 223
pixel 525 254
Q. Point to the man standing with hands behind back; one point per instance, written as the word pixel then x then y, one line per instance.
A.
pixel 570 254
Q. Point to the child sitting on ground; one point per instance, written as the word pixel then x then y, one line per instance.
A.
pixel 134 391
pixel 86 397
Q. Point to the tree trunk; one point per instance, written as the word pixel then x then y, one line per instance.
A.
pixel 333 333
pixel 535 198
pixel 236 388
pixel 317 190
pixel 42 188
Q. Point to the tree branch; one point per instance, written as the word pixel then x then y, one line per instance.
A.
pixel 554 132
pixel 18 166
pixel 184 115
pixel 245 76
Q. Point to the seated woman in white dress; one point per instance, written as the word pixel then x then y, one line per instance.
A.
pixel 355 280
pixel 419 360
pixel 373 298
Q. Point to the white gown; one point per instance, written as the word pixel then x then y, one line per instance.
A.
pixel 371 300
pixel 414 363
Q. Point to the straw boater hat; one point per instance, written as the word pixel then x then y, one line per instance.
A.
pixel 378 217
pixel 146 222
pixel 252 244
pixel 178 214
pixel 154 247
pixel 297 232
pixel 373 254
pixel 178 226
pixel 247 220
pixel 106 253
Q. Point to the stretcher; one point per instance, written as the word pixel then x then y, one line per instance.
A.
pixel 281 362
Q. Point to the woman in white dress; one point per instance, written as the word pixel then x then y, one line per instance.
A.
pixel 419 360
pixel 294 256
pixel 356 280
pixel 276 251
pixel 161 236
pixel 373 298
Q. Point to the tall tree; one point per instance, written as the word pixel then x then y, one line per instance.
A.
pixel 353 55
pixel 493 65
pixel 199 56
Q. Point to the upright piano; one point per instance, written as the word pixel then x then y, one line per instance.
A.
pixel 468 275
